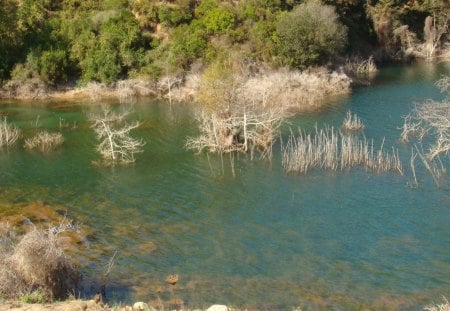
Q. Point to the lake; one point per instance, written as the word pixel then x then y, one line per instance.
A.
pixel 241 232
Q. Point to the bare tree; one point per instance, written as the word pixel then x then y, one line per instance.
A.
pixel 116 144
pixel 431 119
pixel 167 83
pixel 433 31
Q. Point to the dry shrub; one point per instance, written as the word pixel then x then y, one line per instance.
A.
pixel 228 131
pixel 44 142
pixel 295 89
pixel 28 88
pixel 431 119
pixel 352 123
pixel 360 66
pixel 36 263
pixel 188 90
pixel 9 134
pixel 444 306
pixel 242 110
pixel 124 90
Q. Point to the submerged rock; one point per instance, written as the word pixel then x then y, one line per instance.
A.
pixel 217 308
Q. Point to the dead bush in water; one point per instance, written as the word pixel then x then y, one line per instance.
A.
pixel 237 131
pixel 9 134
pixel 332 150
pixel 431 119
pixel 116 143
pixel 36 263
pixel 233 117
pixel 44 141
pixel 360 66
pixel 352 122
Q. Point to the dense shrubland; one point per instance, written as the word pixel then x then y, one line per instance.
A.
pixel 44 44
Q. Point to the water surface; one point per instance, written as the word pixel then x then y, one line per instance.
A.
pixel 257 238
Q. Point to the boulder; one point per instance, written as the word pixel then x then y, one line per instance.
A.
pixel 217 308
pixel 142 306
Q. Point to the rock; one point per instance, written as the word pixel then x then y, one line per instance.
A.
pixel 217 308
pixel 142 306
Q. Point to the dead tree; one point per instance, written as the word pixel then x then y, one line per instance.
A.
pixel 167 83
pixel 115 142
pixel 431 119
pixel 433 31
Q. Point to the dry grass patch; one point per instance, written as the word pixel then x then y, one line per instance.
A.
pixel 35 264
pixel 352 123
pixel 44 141
pixel 360 66
pixel 9 134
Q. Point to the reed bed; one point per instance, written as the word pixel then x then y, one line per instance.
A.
pixel 352 123
pixel 44 142
pixel 361 66
pixel 9 134
pixel 330 149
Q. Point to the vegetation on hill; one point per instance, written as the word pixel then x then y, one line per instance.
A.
pixel 56 42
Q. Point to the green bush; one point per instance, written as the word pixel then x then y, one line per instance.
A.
pixel 187 43
pixel 218 21
pixel 173 16
pixel 53 66
pixel 309 34
pixel 107 49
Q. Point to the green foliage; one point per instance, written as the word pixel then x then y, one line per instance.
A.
pixel 31 14
pixel 176 14
pixel 187 43
pixel 310 34
pixel 10 37
pixel 108 47
pixel 34 297
pixel 218 21
pixel 204 7
pixel 147 13
pixel 106 40
pixel 53 66
pixel 263 38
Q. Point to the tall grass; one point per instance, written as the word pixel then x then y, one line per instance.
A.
pixel 352 122
pixel 330 149
pixel 9 134
pixel 360 66
pixel 44 141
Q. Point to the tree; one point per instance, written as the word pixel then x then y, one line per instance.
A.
pixel 116 144
pixel 310 34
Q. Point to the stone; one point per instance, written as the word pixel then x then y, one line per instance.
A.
pixel 217 308
pixel 142 306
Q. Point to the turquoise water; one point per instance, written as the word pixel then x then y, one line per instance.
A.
pixel 258 238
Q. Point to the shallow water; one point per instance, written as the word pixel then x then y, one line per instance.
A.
pixel 257 238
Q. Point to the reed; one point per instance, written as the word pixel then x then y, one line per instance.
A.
pixel 360 66
pixel 44 141
pixel 330 149
pixel 352 122
pixel 9 134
